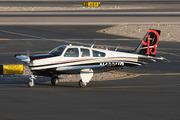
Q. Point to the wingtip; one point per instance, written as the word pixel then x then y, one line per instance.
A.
pixel 165 60
pixel 16 55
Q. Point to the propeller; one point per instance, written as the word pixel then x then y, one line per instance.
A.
pixel 28 45
pixel 24 58
pixel 28 53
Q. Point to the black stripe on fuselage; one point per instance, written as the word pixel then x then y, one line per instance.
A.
pixel 98 63
pixel 58 63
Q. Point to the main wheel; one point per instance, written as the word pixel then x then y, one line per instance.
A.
pixel 82 84
pixel 31 84
pixel 54 80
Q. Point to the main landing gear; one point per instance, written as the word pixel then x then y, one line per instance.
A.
pixel 82 84
pixel 86 75
pixel 54 80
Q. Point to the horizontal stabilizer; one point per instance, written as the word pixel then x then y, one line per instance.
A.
pixel 152 59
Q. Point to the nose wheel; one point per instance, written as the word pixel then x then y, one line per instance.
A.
pixel 82 84
pixel 54 80
pixel 31 82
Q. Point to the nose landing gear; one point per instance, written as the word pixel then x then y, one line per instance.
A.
pixel 31 82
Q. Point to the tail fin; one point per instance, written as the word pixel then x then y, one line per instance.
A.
pixel 148 45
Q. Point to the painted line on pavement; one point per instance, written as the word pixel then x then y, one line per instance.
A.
pixel 169 53
pixel 87 13
pixel 69 39
pixel 81 23
pixel 144 86
pixel 21 34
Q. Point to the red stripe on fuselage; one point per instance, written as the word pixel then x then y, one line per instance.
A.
pixel 72 60
pixel 41 58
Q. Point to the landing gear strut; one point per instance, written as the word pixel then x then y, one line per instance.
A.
pixel 54 80
pixel 86 75
pixel 82 84
pixel 31 82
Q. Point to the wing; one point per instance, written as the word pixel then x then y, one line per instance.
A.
pixel 79 67
pixel 22 58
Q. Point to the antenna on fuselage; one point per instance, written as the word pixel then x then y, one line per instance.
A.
pixel 117 47
pixel 93 44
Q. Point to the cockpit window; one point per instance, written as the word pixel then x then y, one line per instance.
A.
pixel 98 54
pixel 72 52
pixel 57 51
pixel 85 52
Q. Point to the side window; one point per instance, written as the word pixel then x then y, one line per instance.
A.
pixel 72 52
pixel 98 54
pixel 85 52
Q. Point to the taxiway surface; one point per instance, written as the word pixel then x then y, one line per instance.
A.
pixel 152 92
pixel 129 12
pixel 88 18
pixel 158 4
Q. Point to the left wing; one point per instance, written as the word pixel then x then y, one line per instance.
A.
pixel 78 67
pixel 23 58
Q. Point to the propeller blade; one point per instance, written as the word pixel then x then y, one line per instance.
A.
pixel 28 47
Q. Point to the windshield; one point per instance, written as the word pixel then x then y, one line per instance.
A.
pixel 57 51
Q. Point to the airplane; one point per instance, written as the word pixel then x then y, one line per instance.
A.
pixel 70 59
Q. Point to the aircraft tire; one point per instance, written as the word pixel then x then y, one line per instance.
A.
pixel 30 84
pixel 82 84
pixel 54 80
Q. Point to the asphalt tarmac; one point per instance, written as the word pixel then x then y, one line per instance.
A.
pixel 145 3
pixel 87 18
pixel 151 92
pixel 131 12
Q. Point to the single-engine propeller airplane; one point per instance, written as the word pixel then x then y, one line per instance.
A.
pixel 70 59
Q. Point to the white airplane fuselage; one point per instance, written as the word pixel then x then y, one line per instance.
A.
pixel 112 60
pixel 69 59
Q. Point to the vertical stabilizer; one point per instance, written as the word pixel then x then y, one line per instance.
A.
pixel 148 45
